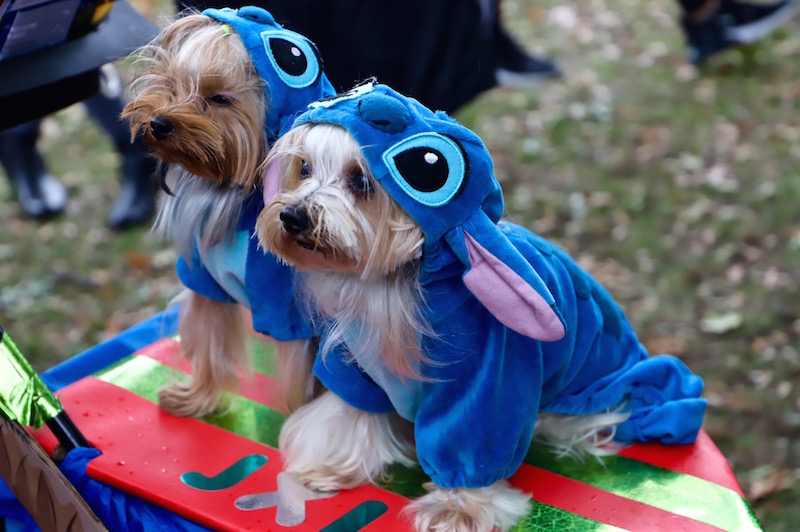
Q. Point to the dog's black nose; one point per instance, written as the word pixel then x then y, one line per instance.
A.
pixel 295 219
pixel 161 128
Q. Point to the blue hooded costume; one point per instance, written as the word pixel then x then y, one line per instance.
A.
pixel 291 70
pixel 520 327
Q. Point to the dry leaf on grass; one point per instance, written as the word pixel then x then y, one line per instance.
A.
pixel 772 483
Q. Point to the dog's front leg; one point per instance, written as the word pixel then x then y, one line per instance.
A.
pixel 295 377
pixel 212 336
pixel 330 445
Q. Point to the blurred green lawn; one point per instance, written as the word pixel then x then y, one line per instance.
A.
pixel 678 189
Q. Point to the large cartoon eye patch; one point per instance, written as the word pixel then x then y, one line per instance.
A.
pixel 429 167
pixel 293 57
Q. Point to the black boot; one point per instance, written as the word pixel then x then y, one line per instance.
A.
pixel 135 203
pixel 731 24
pixel 40 195
pixel 517 68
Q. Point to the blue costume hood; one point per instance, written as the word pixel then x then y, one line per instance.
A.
pixel 442 175
pixel 288 63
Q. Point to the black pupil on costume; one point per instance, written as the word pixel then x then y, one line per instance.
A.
pixel 425 169
pixel 289 56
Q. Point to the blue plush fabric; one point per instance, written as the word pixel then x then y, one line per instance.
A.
pixel 564 346
pixel 289 64
pixel 291 69
pixel 238 271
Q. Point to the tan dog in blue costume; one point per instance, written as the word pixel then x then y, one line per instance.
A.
pixel 218 90
pixel 480 333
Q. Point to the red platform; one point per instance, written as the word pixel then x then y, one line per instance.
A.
pixel 147 453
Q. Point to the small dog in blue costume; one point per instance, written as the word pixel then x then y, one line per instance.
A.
pixel 219 89
pixel 478 332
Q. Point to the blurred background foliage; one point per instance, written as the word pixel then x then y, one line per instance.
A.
pixel 677 188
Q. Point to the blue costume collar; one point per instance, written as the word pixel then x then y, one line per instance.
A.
pixel 288 63
pixel 442 174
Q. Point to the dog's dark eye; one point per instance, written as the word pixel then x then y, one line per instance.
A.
pixel 361 184
pixel 305 170
pixel 219 99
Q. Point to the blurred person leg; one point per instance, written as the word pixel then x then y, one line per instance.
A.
pixel 135 203
pixel 40 195
pixel 515 67
pixel 713 26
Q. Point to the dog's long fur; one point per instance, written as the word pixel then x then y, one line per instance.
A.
pixel 197 202
pixel 200 80
pixel 359 258
pixel 357 451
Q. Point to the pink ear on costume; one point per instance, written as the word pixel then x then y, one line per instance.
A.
pixel 272 180
pixel 514 302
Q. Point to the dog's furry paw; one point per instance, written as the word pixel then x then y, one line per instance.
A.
pixel 497 507
pixel 330 445
pixel 185 400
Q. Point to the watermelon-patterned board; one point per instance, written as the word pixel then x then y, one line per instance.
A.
pixel 224 471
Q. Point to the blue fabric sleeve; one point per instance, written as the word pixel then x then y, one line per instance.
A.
pixel 476 422
pixel 660 392
pixel 344 378
pixel 271 295
pixel 665 402
pixel 197 279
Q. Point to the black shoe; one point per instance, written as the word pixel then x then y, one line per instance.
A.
pixel 735 23
pixel 40 195
pixel 135 203
pixel 515 68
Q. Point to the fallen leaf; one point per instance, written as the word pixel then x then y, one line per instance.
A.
pixel 138 260
pixel 721 323
pixel 673 345
pixel 774 482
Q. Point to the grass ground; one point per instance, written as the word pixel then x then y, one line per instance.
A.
pixel 678 189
